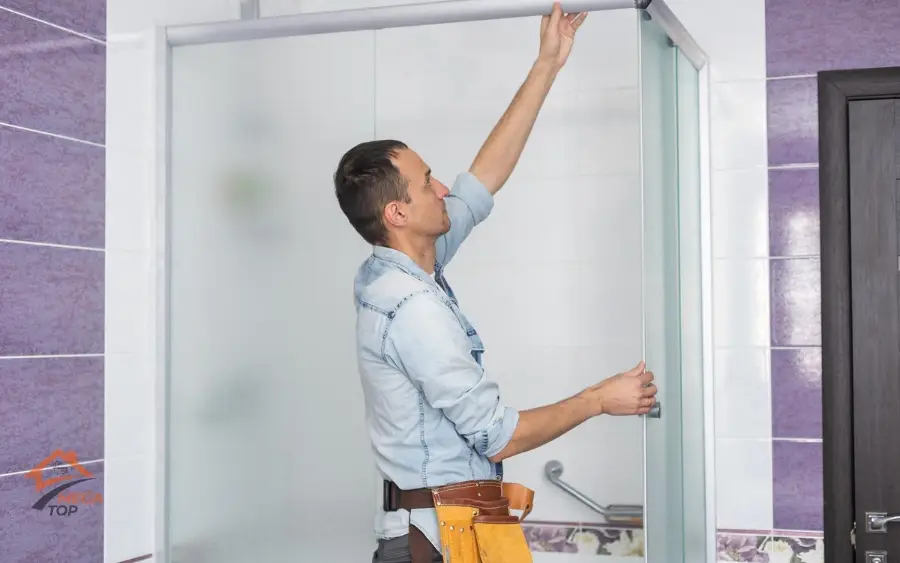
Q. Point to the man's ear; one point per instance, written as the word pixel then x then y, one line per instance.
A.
pixel 395 214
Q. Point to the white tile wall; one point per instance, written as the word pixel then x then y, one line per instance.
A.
pixel 582 163
pixel 738 116
pixel 743 395
pixel 740 213
pixel 733 34
pixel 744 484
pixel 741 302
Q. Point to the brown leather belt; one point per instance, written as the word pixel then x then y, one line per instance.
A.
pixel 518 497
pixel 396 499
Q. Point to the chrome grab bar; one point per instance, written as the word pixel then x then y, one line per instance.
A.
pixel 614 513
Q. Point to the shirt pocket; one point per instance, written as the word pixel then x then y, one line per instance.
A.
pixel 477 348
pixel 477 344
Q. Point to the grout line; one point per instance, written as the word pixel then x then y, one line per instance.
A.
pixel 47 133
pixel 574 524
pixel 52 245
pixel 776 532
pixel 797 533
pixel 51 356
pixel 795 166
pixel 796 257
pixel 741 168
pixel 760 257
pixel 23 472
pixel 768 347
pixel 760 439
pixel 789 77
pixel 59 27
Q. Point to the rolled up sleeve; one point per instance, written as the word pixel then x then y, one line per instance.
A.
pixel 468 204
pixel 426 341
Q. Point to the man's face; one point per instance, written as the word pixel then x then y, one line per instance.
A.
pixel 426 213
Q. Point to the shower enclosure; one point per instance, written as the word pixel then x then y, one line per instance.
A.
pixel 601 235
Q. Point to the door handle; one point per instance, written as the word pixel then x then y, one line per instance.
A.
pixel 876 522
pixel 655 410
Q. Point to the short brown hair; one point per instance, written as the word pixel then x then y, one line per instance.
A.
pixel 365 181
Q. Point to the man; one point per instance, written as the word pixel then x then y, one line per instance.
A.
pixel 434 418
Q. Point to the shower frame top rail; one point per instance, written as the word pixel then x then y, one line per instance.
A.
pixel 424 13
pixel 362 19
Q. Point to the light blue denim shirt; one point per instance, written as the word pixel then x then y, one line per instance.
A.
pixel 433 416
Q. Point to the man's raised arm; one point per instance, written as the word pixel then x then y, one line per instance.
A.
pixel 501 151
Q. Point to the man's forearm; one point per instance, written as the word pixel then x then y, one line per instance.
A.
pixel 503 147
pixel 541 425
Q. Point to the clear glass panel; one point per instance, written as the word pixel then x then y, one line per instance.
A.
pixel 663 520
pixel 262 313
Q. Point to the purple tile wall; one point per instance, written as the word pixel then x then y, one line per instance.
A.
pixel 52 259
pixel 53 81
pixel 803 37
pixel 52 189
pixel 87 18
pixel 797 404
pixel 29 534
pixel 793 131
pixel 50 403
pixel 794 212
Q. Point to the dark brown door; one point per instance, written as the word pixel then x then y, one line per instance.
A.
pixel 875 305
pixel 861 315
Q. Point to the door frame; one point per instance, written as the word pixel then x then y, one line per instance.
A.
pixel 836 89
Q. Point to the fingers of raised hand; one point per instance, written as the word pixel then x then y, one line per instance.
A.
pixel 575 20
pixel 649 390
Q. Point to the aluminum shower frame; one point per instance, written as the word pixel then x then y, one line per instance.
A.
pixel 428 13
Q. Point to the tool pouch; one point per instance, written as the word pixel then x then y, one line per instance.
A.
pixel 478 527
pixel 501 540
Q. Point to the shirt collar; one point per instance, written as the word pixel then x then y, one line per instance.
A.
pixel 405 263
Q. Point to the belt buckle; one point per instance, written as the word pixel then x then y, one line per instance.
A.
pixel 390 501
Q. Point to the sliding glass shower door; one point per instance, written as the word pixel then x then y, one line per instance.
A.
pixel 675 505
pixel 268 456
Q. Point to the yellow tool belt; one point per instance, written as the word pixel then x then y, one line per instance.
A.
pixel 474 518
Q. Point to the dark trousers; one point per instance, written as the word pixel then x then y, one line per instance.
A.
pixel 402 549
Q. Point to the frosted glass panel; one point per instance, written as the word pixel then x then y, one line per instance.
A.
pixel 662 287
pixel 261 313
pixel 269 459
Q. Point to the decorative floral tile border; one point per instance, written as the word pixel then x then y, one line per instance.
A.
pixel 745 546
pixel 574 537
pixel 769 547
